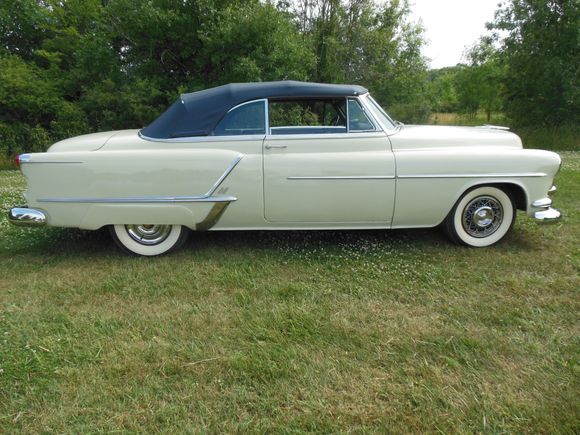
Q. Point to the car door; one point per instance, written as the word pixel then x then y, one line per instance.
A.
pixel 327 167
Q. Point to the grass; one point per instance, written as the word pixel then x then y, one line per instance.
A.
pixel 292 331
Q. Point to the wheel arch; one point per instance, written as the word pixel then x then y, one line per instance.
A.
pixel 514 189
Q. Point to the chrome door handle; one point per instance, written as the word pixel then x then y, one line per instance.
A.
pixel 269 147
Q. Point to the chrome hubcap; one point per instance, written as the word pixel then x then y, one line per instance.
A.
pixel 148 234
pixel 482 216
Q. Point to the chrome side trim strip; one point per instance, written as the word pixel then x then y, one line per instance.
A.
pixel 229 169
pixel 25 158
pixel 524 174
pixel 142 199
pixel 38 163
pixel 207 197
pixel 345 177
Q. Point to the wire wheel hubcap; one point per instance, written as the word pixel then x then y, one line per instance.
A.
pixel 482 216
pixel 147 234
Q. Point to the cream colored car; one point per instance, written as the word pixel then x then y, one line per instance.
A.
pixel 286 156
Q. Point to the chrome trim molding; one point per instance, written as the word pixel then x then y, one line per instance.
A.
pixel 543 203
pixel 345 177
pixel 212 217
pixel 142 199
pixel 25 158
pixel 553 189
pixel 207 197
pixel 27 217
pixel 227 172
pixel 524 174
pixel 548 215
pixel 60 163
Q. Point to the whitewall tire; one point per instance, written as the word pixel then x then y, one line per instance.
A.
pixel 149 240
pixel 481 217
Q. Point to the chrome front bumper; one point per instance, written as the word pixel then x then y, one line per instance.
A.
pixel 27 217
pixel 547 214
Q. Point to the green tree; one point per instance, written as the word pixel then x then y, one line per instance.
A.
pixel 442 89
pixel 479 85
pixel 369 43
pixel 540 50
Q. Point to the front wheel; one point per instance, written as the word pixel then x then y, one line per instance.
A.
pixel 148 239
pixel 481 217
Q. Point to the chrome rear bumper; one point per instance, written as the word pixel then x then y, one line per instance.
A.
pixel 26 217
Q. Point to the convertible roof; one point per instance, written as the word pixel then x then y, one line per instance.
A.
pixel 197 113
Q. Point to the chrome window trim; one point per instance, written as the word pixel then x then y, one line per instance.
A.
pixel 245 103
pixel 207 197
pixel 333 136
pixel 390 129
pixel 347 116
pixel 358 133
pixel 367 113
pixel 211 137
pixel 201 139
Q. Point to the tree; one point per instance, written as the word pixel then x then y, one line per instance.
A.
pixel 442 89
pixel 479 85
pixel 369 43
pixel 540 51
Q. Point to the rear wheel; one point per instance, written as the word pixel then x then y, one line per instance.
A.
pixel 148 239
pixel 481 217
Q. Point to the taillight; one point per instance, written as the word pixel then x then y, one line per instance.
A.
pixel 17 160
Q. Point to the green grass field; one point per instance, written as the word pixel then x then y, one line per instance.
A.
pixel 292 331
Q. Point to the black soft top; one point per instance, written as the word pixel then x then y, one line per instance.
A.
pixel 197 113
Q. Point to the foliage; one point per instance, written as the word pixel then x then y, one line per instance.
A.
pixel 76 66
pixel 540 49
pixel 442 89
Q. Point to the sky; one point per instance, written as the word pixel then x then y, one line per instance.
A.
pixel 451 26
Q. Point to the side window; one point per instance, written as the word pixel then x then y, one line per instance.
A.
pixel 310 116
pixel 243 120
pixel 357 118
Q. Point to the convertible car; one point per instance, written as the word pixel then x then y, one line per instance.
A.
pixel 285 156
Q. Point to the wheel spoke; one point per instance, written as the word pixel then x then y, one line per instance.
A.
pixel 482 216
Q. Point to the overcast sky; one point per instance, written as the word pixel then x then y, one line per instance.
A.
pixel 450 26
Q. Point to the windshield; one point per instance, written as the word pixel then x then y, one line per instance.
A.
pixel 381 114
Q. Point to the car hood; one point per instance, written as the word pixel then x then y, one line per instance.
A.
pixel 85 142
pixel 436 136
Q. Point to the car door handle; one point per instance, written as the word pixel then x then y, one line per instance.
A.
pixel 269 147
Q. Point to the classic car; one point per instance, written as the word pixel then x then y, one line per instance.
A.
pixel 285 156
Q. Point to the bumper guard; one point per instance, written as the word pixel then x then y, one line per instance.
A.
pixel 547 214
pixel 26 217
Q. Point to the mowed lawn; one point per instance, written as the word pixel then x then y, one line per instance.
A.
pixel 292 331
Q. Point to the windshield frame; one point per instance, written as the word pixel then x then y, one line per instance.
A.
pixel 386 122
